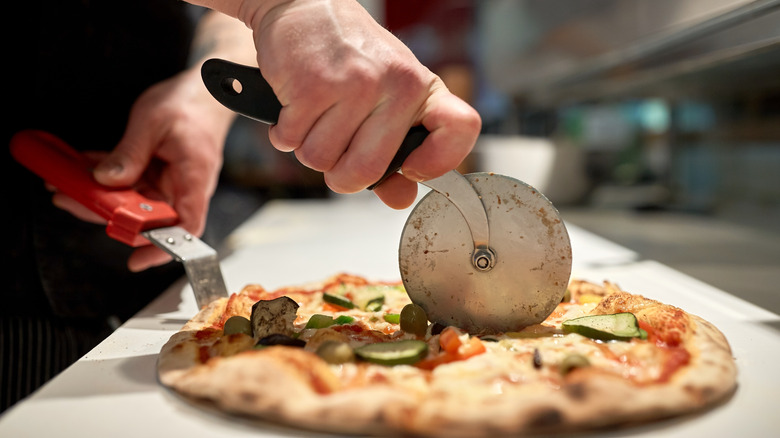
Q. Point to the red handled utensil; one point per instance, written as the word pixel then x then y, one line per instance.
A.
pixel 132 218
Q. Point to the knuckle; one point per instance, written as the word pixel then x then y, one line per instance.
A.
pixel 362 77
pixel 414 84
pixel 470 121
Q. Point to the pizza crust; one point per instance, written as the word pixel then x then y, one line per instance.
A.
pixel 482 396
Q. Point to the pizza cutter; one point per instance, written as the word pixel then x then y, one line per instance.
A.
pixel 132 218
pixel 484 252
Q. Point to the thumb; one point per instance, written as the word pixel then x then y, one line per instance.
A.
pixel 126 163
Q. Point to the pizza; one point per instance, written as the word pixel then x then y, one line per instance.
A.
pixel 351 355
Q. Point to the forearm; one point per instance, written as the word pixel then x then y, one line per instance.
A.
pixel 216 36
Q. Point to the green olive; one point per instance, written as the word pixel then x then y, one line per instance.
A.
pixel 335 352
pixel 572 361
pixel 237 324
pixel 414 320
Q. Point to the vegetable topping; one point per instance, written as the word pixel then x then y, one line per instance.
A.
pixel 275 316
pixel 618 326
pixel 414 320
pixel 455 346
pixel 279 339
pixel 392 318
pixel 237 324
pixel 404 352
pixel 319 321
pixel 572 361
pixel 338 301
pixel 335 352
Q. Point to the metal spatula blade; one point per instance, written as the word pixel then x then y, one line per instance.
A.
pixel 199 260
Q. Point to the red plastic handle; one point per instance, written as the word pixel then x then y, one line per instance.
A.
pixel 127 211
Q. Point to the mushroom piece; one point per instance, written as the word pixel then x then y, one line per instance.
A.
pixel 272 317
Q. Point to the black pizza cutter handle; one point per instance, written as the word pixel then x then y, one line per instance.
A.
pixel 244 90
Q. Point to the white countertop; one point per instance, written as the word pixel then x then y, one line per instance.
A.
pixel 113 390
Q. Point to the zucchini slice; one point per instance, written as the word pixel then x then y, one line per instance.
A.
pixel 338 301
pixel 404 352
pixel 618 326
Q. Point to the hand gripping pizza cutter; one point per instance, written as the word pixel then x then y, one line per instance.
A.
pixel 132 218
pixel 484 252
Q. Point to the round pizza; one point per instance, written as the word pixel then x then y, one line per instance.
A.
pixel 349 355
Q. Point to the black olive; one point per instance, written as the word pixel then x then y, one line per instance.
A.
pixel 279 339
pixel 437 328
pixel 537 359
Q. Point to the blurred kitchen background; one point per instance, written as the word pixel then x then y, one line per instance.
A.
pixel 653 123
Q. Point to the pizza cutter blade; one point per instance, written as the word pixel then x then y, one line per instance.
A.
pixel 484 252
pixel 489 255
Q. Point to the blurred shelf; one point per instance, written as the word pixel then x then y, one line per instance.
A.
pixel 736 70
pixel 597 50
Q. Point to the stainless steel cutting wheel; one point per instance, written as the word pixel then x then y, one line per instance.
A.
pixel 528 267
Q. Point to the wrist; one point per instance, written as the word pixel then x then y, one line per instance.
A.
pixel 252 12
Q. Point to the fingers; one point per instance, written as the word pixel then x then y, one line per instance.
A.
pixel 352 141
pixel 295 122
pixel 141 259
pixel 353 162
pixel 75 208
pixel 332 136
pixel 319 123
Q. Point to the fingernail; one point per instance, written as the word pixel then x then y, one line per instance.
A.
pixel 110 169
pixel 414 176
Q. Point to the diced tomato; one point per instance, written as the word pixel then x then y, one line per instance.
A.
pixel 433 362
pixel 471 348
pixel 453 349
pixel 449 340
